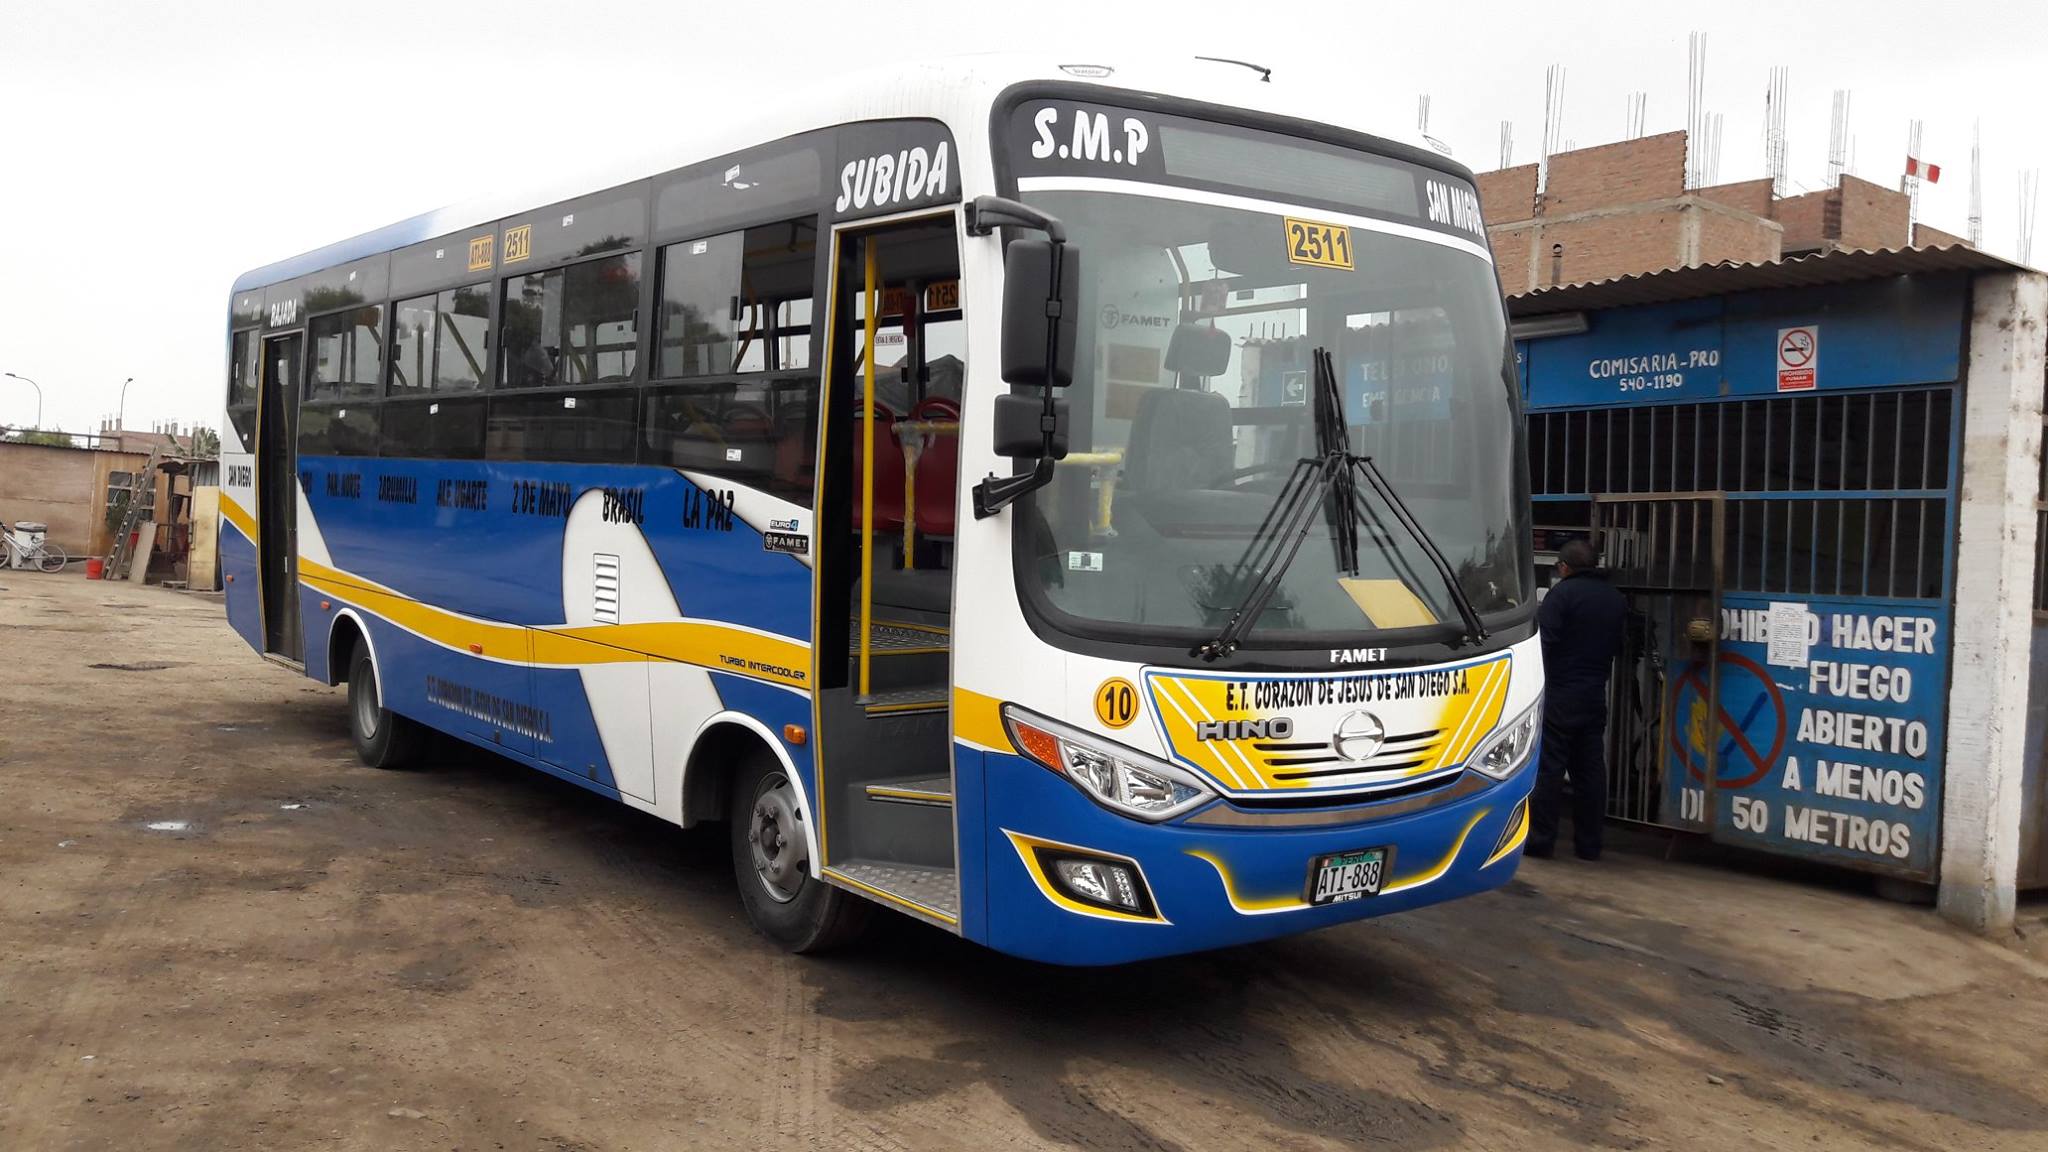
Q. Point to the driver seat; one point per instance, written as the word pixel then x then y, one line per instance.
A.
pixel 1181 437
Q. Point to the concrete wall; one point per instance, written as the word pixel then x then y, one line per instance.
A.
pixel 1511 256
pixel 66 488
pixel 1985 761
pixel 1628 172
pixel 1925 237
pixel 1507 194
pixel 1873 216
pixel 1735 236
pixel 54 486
pixel 1805 220
pixel 1605 245
pixel 1751 196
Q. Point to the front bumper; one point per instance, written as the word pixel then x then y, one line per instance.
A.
pixel 1213 886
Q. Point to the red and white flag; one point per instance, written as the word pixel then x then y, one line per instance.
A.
pixel 1918 167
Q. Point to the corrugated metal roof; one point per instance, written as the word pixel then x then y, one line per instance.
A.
pixel 1838 267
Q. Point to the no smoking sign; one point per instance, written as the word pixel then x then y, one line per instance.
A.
pixel 1798 358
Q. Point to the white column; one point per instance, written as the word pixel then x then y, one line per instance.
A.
pixel 1993 621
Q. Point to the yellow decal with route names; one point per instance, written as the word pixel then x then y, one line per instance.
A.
pixel 1320 245
pixel 1347 731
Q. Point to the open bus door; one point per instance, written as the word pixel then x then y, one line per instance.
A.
pixel 277 503
pixel 887 487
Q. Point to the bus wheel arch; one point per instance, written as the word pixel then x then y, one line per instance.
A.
pixel 382 738
pixel 722 744
pixel 348 632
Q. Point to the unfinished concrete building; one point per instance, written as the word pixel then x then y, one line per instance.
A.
pixel 1623 209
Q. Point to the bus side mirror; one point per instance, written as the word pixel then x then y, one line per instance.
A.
pixel 1021 427
pixel 1041 291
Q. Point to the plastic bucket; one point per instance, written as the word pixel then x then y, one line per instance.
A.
pixel 95 568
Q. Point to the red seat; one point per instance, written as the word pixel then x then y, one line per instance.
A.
pixel 888 473
pixel 938 470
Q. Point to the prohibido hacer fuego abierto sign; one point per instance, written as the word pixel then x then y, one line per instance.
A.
pixel 1829 731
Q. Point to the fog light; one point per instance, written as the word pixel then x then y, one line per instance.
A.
pixel 1101 882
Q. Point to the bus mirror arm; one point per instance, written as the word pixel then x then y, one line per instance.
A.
pixel 999 492
pixel 987 213
pixel 1041 287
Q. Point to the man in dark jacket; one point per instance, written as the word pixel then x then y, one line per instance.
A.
pixel 1581 619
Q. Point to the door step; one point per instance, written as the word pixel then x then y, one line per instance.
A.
pixel 925 698
pixel 892 637
pixel 927 791
pixel 931 892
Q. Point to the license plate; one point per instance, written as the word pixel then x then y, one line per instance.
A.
pixel 1343 876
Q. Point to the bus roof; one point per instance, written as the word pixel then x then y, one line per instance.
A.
pixel 957 91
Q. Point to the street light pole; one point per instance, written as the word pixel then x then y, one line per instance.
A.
pixel 119 427
pixel 39 396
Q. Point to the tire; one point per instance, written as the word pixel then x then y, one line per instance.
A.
pixel 383 738
pixel 786 903
pixel 52 559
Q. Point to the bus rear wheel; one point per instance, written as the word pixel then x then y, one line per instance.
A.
pixel 771 858
pixel 383 738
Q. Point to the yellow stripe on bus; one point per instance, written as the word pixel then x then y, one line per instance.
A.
pixel 978 719
pixel 707 645
pixel 242 521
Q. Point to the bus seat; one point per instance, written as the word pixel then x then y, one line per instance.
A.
pixel 1195 350
pixel 938 470
pixel 1180 440
pixel 888 473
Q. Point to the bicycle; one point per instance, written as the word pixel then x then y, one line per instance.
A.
pixel 45 556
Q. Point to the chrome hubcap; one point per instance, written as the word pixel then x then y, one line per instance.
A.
pixel 775 836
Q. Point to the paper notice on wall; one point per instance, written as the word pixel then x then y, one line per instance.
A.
pixel 1787 647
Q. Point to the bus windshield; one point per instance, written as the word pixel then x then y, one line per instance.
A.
pixel 1191 408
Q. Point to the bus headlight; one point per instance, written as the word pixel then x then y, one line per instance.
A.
pixel 1117 777
pixel 1503 753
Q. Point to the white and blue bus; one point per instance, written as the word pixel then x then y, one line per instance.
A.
pixel 1081 507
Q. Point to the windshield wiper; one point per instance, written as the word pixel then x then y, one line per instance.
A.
pixel 1328 479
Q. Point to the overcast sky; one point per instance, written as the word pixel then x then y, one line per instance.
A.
pixel 149 152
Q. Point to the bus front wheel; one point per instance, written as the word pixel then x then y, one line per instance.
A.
pixel 383 738
pixel 772 860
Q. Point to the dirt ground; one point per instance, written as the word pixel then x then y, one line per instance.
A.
pixel 218 931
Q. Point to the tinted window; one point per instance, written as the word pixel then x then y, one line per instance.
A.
pixel 740 188
pixel 439 342
pixel 740 302
pixel 592 428
pixel 242 369
pixel 243 421
pixel 435 428
pixel 412 345
pixel 600 320
pixel 346 354
pixel 338 430
pixel 761 432
pixel 462 325
pixel 576 325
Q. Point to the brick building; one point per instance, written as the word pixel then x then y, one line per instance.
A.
pixel 1622 209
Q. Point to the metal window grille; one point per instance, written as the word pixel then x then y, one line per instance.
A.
pixel 1828 495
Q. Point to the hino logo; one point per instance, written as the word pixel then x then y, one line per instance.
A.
pixel 1358 736
pixel 1278 728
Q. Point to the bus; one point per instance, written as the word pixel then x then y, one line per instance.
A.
pixel 1080 506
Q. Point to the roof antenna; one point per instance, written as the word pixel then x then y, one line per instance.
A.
pixel 1265 73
